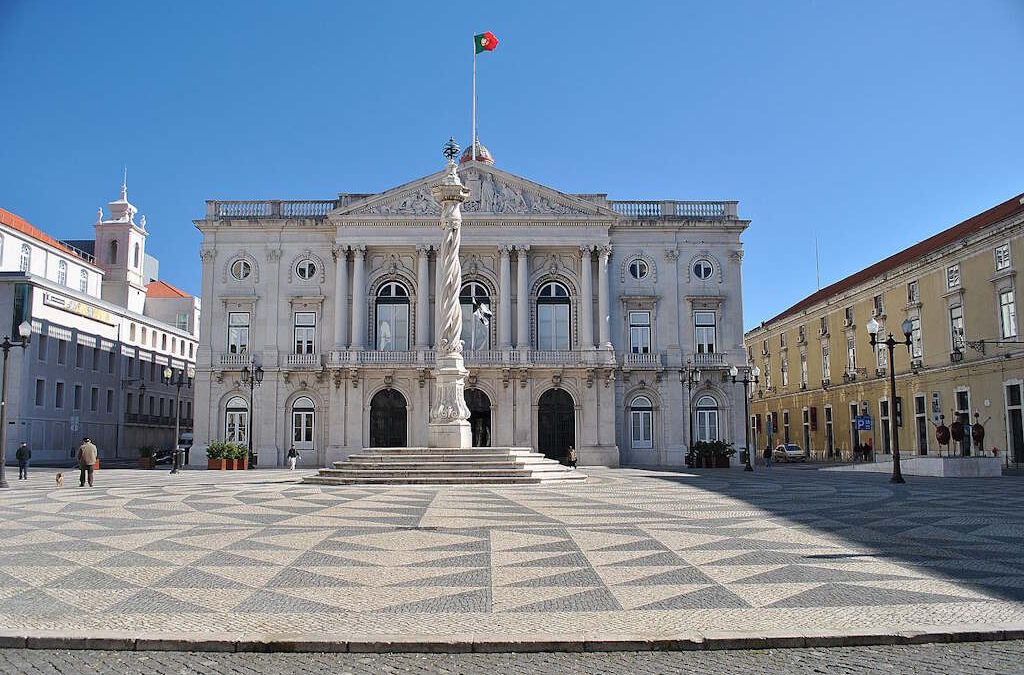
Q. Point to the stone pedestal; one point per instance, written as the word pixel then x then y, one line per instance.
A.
pixel 449 416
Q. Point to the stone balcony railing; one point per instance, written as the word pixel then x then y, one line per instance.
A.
pixel 648 360
pixel 675 209
pixel 708 360
pixel 494 357
pixel 234 360
pixel 270 208
pixel 303 361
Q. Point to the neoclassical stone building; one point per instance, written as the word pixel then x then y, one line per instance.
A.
pixel 599 310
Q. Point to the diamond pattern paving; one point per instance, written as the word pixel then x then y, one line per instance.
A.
pixel 629 551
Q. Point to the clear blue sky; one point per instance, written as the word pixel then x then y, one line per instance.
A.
pixel 871 123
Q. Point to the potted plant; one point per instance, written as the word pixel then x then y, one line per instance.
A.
pixel 146 457
pixel 713 454
pixel 241 457
pixel 216 455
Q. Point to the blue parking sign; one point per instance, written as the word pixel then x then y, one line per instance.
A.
pixel 863 423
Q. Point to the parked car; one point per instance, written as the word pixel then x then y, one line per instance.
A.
pixel 789 452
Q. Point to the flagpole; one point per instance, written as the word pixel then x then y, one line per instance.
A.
pixel 472 141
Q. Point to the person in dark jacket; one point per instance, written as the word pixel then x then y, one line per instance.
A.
pixel 23 455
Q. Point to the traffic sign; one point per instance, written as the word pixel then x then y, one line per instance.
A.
pixel 863 422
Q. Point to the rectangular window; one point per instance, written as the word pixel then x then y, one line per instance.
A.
pixel 1002 257
pixel 305 329
pixel 128 403
pixel 42 347
pixel 802 332
pixel 181 321
pixel 393 326
pixel 1007 315
pixel 807 431
pixel 110 401
pixel 143 335
pixel 95 358
pixel 782 340
pixel 952 276
pixel 956 327
pixel 854 434
pixel 878 306
pixel 79 356
pixel 913 292
pixel 40 393
pixel 77 397
pixel 152 405
pixel 826 363
pixel 883 426
pixel 1015 422
pixel 916 345
pixel 848 316
pixel 62 351
pixel 921 424
pixel 704 332
pixel 823 325
pixel 110 362
pixel 58 395
pixel 881 355
pixel 803 370
pixel 640 332
pixel 851 354
pixel 962 398
pixel 764 346
pixel 830 439
pixel 785 370
pixel 785 426
pixel 94 399
pixel 238 332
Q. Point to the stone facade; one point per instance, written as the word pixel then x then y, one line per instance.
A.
pixel 335 300
pixel 958 288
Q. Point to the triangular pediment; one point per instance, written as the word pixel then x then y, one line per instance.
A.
pixel 492 193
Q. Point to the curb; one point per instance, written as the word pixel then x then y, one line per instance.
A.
pixel 473 643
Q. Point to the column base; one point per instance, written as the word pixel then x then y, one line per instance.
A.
pixel 456 435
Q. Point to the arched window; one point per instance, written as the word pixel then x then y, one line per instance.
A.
pixel 135 256
pixel 62 272
pixel 707 419
pixel 236 421
pixel 26 258
pixel 553 317
pixel 476 316
pixel 112 255
pixel 641 422
pixel 393 317
pixel 302 424
pixel 83 281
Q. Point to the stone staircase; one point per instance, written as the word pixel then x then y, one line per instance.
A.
pixel 445 466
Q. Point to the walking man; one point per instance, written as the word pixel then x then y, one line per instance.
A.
pixel 768 457
pixel 86 460
pixel 23 455
pixel 292 456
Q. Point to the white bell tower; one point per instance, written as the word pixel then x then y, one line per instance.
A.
pixel 121 251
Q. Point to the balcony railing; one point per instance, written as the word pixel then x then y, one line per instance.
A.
pixel 648 360
pixel 303 361
pixel 674 209
pixel 708 359
pixel 488 356
pixel 235 360
pixel 271 208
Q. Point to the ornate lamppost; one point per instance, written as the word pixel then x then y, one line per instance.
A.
pixel 252 375
pixel 25 331
pixel 178 382
pixel 754 372
pixel 890 344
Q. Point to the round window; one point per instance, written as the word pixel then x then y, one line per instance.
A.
pixel 638 269
pixel 703 269
pixel 306 269
pixel 241 269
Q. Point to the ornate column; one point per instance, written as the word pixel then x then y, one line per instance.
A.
pixel 505 297
pixel 422 297
pixel 340 297
pixel 604 336
pixel 522 297
pixel 359 297
pixel 449 416
pixel 586 299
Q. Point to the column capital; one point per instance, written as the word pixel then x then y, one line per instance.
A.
pixel 505 250
pixel 521 248
pixel 208 255
pixel 423 250
pixel 587 249
pixel 605 250
pixel 339 251
pixel 359 250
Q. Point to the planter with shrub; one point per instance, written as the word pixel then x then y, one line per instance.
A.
pixel 146 457
pixel 712 454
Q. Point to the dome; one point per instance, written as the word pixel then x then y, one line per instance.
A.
pixel 482 154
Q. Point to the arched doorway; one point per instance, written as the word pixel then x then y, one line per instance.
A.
pixel 302 425
pixel 387 419
pixel 479 417
pixel 556 424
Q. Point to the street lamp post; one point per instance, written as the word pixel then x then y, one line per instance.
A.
pixel 252 375
pixel 890 343
pixel 692 377
pixel 178 382
pixel 25 332
pixel 747 373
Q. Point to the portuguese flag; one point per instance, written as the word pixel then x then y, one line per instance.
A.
pixel 485 42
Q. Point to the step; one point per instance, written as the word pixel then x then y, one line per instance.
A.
pixel 433 480
pixel 426 466
pixel 425 473
pixel 490 457
pixel 434 451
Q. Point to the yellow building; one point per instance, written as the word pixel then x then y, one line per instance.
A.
pixel 966 358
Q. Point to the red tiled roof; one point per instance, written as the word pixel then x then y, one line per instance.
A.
pixel 162 289
pixel 995 214
pixel 21 225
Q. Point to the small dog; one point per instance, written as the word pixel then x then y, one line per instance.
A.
pixel 60 480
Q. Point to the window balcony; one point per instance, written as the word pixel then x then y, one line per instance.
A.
pixel 640 361
pixel 708 359
pixel 234 360
pixel 303 361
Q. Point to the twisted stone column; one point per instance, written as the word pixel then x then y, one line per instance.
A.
pixel 449 425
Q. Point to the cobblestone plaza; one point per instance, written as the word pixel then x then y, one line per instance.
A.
pixel 629 552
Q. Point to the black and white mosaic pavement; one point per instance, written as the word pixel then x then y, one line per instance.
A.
pixel 627 552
